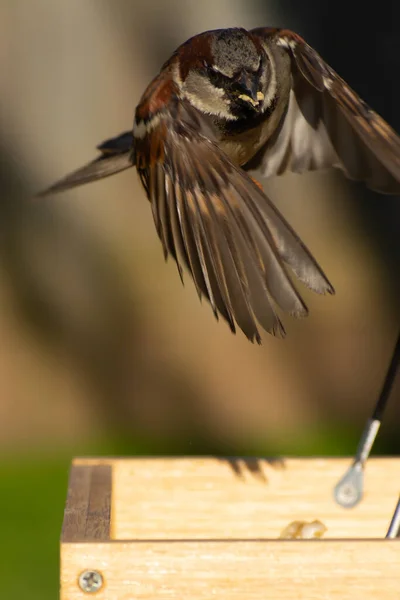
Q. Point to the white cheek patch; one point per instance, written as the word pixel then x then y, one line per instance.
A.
pixel 206 97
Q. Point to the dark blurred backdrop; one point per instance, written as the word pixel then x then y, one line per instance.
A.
pixel 102 350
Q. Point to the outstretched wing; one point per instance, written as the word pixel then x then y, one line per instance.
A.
pixel 212 217
pixel 116 155
pixel 328 124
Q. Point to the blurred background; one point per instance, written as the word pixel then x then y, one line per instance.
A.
pixel 102 350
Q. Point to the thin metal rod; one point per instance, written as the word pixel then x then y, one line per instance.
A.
pixel 394 527
pixel 388 383
pixel 349 490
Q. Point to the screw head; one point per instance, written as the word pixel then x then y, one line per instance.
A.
pixel 90 581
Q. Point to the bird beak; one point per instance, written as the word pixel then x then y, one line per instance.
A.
pixel 250 93
pixel 250 100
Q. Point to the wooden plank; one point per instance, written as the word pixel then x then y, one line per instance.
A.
pixel 87 511
pixel 233 570
pixel 98 522
pixel 75 513
pixel 208 498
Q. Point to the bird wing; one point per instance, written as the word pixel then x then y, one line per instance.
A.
pixel 327 124
pixel 116 155
pixel 211 216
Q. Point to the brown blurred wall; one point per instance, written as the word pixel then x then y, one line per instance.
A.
pixel 125 342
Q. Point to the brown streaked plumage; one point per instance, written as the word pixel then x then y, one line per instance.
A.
pixel 227 103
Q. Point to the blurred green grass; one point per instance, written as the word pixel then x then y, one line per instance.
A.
pixel 34 488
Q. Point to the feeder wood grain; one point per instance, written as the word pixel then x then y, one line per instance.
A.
pixel 204 528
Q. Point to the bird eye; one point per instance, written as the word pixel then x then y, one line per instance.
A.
pixel 209 67
pixel 215 74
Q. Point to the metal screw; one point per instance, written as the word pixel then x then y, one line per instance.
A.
pixel 90 581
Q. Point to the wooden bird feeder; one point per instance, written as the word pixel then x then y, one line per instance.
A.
pixel 205 528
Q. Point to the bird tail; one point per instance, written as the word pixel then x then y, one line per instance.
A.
pixel 116 155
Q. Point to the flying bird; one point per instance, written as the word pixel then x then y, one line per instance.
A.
pixel 229 103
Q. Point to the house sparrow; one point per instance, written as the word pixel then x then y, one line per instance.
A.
pixel 229 102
